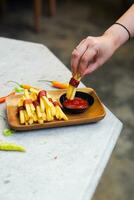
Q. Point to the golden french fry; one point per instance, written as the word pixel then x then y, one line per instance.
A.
pixel 40 121
pixel 38 112
pixel 49 105
pixel 26 94
pixel 30 121
pixel 26 116
pixel 47 102
pixel 42 105
pixel 62 115
pixel 36 91
pixel 35 117
pixel 73 94
pixel 32 107
pixel 48 114
pixel 28 109
pixel 57 112
pixel 71 91
pixel 33 96
pixel 44 117
pixel 49 108
pixel 20 103
pixel 22 117
pixel 53 111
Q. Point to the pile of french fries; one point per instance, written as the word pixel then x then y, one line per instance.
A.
pixel 36 106
pixel 73 84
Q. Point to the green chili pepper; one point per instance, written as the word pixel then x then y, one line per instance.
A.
pixel 18 89
pixel 8 132
pixel 5 146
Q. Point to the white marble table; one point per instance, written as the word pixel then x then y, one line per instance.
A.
pixel 60 163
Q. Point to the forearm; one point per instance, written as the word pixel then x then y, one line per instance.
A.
pixel 117 33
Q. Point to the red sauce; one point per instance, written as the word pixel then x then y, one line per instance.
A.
pixel 74 82
pixel 41 94
pixel 27 101
pixel 20 108
pixel 36 103
pixel 76 103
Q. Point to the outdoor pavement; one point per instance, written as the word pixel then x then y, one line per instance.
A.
pixel 114 82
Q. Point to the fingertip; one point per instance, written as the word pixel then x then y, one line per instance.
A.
pixel 75 53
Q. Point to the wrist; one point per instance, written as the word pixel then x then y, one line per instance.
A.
pixel 117 34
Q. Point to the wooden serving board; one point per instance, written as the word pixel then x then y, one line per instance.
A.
pixel 94 113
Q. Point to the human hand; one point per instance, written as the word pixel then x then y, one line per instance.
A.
pixel 91 53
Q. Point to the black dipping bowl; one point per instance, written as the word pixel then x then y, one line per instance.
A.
pixel 82 95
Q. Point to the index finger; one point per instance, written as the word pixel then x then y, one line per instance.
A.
pixel 77 54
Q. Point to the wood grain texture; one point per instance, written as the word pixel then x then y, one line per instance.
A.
pixel 95 112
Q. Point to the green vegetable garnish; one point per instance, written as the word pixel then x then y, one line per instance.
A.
pixel 18 89
pixel 8 132
pixel 6 146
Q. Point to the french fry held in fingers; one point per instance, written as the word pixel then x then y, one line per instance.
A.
pixel 73 84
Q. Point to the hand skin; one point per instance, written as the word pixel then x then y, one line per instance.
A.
pixel 93 52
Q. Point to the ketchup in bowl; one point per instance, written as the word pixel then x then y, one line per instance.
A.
pixel 79 104
pixel 76 103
